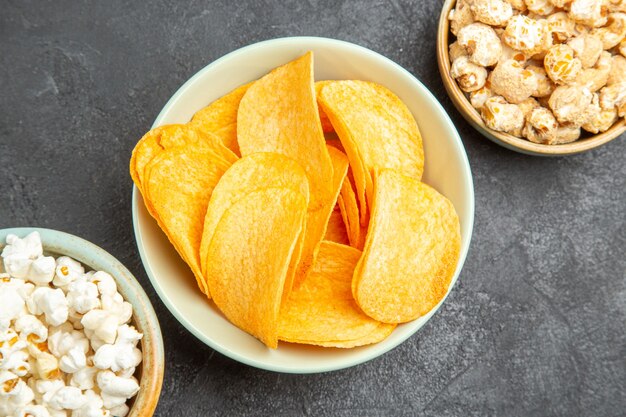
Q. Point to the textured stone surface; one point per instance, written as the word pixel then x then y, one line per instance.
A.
pixel 537 322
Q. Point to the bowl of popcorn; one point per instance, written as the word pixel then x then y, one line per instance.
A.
pixel 542 77
pixel 78 335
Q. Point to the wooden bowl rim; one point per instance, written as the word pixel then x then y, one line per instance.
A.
pixel 470 114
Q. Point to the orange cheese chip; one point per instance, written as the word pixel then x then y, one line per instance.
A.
pixel 220 118
pixel 279 114
pixel 323 312
pixel 336 230
pixel 249 256
pixel 411 250
pixel 317 220
pixel 377 131
pixel 252 173
pixel 178 184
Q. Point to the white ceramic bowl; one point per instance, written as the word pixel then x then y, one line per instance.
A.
pixel 446 168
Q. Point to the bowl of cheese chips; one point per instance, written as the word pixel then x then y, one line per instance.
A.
pixel 302 204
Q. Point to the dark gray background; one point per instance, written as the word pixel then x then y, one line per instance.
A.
pixel 536 323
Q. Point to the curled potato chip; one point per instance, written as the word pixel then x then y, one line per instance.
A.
pixel 317 220
pixel 350 212
pixel 169 136
pixel 252 173
pixel 322 310
pixel 336 230
pixel 220 117
pixel 249 256
pixel 327 127
pixel 377 131
pixel 411 251
pixel 279 114
pixel 178 184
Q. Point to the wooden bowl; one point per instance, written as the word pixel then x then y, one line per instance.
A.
pixel 508 141
pixel 150 372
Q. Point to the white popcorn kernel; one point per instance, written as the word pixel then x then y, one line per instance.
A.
pixel 67 270
pixel 120 411
pixel 121 355
pixel 33 410
pixel 113 385
pixel 112 401
pixel 60 342
pixel 31 329
pixel 92 407
pixel 47 366
pixel 42 270
pixel 12 306
pixel 105 282
pixel 70 398
pixel 45 389
pixel 73 361
pixel 14 393
pixel 82 296
pixel 19 254
pixel 103 323
pixel 492 12
pixel 116 305
pixel 50 302
pixel 84 378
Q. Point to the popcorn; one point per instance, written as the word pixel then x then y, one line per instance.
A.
pixel 479 97
pixel 540 7
pixel 67 270
pixel 595 78
pixel 57 322
pixel 50 302
pixel 116 305
pixel 560 27
pixel 571 104
pixel 587 48
pixel 616 5
pixel 492 12
pixel 67 398
pixel 84 378
pixel 93 407
pixel 501 116
pixel 120 411
pixel 517 4
pixel 618 70
pixel 105 282
pixel 32 410
pixel 12 305
pixel 14 393
pixel 456 51
pixel 469 76
pixel 82 295
pixel 62 340
pixel 481 43
pixel 47 366
pixel 614 97
pixel 527 35
pixel 545 86
pixel 588 12
pixel 510 80
pixel 73 361
pixel 613 33
pixel 102 323
pixel 460 16
pixel 561 65
pixel 122 354
pixel 601 121
pixel 541 126
pixel 114 388
pixel 622 47
pixel 31 329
